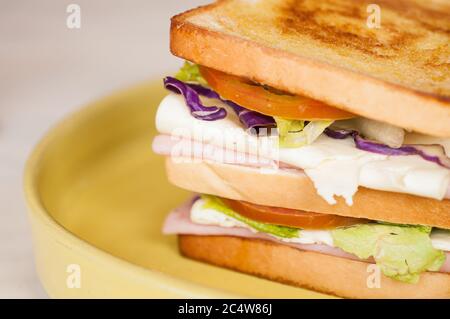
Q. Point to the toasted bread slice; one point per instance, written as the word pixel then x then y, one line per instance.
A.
pixel 332 275
pixel 297 192
pixel 398 73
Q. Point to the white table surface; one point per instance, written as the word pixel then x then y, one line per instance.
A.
pixel 46 72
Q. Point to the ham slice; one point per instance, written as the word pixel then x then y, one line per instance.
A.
pixel 170 146
pixel 179 222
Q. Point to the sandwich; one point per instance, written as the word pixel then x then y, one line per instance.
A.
pixel 317 144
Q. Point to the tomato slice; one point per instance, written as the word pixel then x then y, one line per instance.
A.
pixel 270 101
pixel 290 217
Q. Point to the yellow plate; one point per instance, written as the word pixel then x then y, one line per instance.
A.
pixel 97 198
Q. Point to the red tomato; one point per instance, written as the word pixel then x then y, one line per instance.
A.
pixel 269 101
pixel 290 217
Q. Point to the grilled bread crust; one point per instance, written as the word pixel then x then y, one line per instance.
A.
pixel 328 274
pixel 398 73
pixel 296 191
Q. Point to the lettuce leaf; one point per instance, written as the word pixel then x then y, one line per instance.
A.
pixel 297 133
pixel 190 73
pixel 402 252
pixel 212 202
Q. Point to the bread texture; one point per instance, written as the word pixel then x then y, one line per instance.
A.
pixel 398 73
pixel 297 191
pixel 328 274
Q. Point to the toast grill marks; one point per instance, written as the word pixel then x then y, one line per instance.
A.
pixel 340 24
pixel 411 48
pixel 344 24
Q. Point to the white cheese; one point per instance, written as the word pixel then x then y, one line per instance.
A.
pixel 440 238
pixel 336 167
pixel 208 216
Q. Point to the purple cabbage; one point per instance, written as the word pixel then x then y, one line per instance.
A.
pixel 432 153
pixel 253 121
pixel 198 110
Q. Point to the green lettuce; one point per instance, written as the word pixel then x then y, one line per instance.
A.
pixel 297 133
pixel 212 202
pixel 190 73
pixel 401 252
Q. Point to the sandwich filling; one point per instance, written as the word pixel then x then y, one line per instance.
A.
pixel 402 252
pixel 212 116
pixel 338 154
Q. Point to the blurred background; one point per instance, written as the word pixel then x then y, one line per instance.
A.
pixel 47 71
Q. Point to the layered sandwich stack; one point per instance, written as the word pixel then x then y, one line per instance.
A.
pixel 317 144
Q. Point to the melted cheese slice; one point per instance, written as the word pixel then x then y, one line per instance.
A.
pixel 336 167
